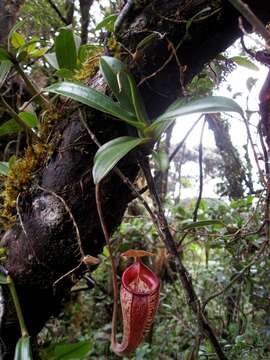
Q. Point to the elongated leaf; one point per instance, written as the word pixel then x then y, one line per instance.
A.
pixel 138 102
pixel 4 167
pixel 245 62
pixel 17 40
pixel 203 223
pixel 210 104
pixel 95 99
pixel 110 153
pixel 5 67
pixel 115 74
pixel 65 49
pixel 123 86
pixel 107 23
pixel 38 53
pixel 146 41
pixel 4 55
pixel 23 349
pixel 30 119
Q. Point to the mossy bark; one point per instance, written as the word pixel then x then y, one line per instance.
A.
pixel 42 245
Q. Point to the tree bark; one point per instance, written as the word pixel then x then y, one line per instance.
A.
pixel 85 6
pixel 42 246
pixel 8 14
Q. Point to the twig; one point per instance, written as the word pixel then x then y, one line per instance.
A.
pixel 262 178
pixel 19 121
pixel 175 151
pixel 184 276
pixel 238 276
pixel 252 19
pixel 31 87
pixel 114 272
pixel 180 67
pixel 178 147
pixel 58 12
pixel 123 14
pixel 195 212
pixel 248 51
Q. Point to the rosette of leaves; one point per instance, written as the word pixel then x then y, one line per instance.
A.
pixel 130 108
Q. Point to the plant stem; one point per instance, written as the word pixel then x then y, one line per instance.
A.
pixel 19 121
pixel 17 305
pixel 252 19
pixel 184 276
pixel 31 87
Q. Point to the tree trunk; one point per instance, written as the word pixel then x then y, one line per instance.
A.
pixel 43 246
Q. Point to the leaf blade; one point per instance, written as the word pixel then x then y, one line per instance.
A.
pixel 209 104
pixel 114 72
pixel 23 349
pixel 93 98
pixel 5 67
pixel 65 49
pixel 110 153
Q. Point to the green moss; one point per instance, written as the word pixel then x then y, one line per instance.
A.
pixel 89 68
pixel 19 179
pixel 23 172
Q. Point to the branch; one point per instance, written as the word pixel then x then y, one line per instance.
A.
pixel 252 19
pixel 195 212
pixel 184 276
pixel 58 12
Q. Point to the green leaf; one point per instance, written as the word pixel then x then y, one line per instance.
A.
pixel 210 104
pixel 115 74
pixel 95 99
pixel 23 349
pixel 110 153
pixel 65 49
pixel 123 86
pixel 17 25
pixel 203 223
pixel 4 55
pixel 12 127
pixel 9 127
pixel 3 279
pixel 245 62
pixel 5 67
pixel 64 351
pixel 146 41
pixel 105 251
pixel 4 167
pixel 75 351
pixel 30 119
pixel 52 60
pixel 65 73
pixel 17 40
pixel 38 53
pixel 138 102
pixel 107 23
